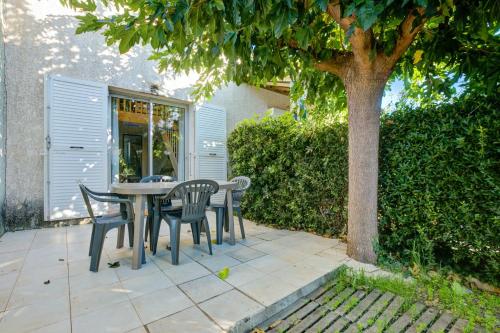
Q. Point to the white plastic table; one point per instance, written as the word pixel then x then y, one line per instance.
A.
pixel 141 190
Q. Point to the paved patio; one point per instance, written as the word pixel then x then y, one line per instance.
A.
pixel 46 285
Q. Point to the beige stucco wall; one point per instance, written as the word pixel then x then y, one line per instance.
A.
pixel 39 40
pixel 245 101
pixel 2 123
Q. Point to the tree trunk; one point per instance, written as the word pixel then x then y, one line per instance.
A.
pixel 364 94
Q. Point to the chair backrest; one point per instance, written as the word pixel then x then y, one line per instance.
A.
pixel 243 183
pixel 194 195
pixel 86 199
pixel 157 179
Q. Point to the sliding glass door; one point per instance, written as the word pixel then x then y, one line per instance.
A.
pixel 147 139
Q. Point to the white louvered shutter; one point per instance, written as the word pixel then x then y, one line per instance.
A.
pixel 76 147
pixel 211 148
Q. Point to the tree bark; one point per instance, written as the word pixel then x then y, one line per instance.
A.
pixel 364 96
pixel 364 79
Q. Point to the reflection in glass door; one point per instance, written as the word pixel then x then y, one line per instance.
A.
pixel 146 142
pixel 131 159
pixel 166 139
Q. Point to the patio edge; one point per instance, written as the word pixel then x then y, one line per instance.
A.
pixel 273 311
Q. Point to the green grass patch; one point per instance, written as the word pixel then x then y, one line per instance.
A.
pixel 433 289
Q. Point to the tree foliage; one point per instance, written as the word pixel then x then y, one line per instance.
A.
pixel 263 40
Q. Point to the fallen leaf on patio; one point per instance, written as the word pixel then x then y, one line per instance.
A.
pixel 46 282
pixel 258 330
pixel 114 264
pixel 276 323
pixel 224 273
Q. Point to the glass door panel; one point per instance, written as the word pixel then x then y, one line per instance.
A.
pixel 167 121
pixel 133 148
pixel 131 118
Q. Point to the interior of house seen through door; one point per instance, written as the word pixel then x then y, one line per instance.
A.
pixel 147 139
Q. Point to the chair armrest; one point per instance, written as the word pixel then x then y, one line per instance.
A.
pixel 112 198
pixel 107 194
pixel 107 197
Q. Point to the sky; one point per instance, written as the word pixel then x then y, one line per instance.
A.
pixel 393 95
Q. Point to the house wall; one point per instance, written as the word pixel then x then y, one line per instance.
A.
pixel 244 101
pixel 39 40
pixel 2 123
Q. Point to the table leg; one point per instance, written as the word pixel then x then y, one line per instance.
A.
pixel 138 231
pixel 121 236
pixel 229 194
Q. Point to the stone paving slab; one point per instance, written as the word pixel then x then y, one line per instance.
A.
pixel 268 271
pixel 337 309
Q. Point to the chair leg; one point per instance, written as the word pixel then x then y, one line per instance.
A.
pixel 207 231
pixel 147 227
pixel 195 231
pixel 130 227
pixel 155 233
pixel 240 218
pixel 92 239
pixel 175 235
pixel 121 236
pixel 149 219
pixel 219 213
pixel 100 235
pixel 226 220
pixel 143 261
pixel 151 229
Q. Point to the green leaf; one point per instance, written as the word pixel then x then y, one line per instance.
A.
pixel 219 4
pixel 303 35
pixel 349 9
pixel 279 25
pixel 127 41
pixel 224 273
pixel 417 56
pixel 322 4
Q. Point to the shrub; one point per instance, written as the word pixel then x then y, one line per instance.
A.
pixel 298 172
pixel 439 189
pixel 439 181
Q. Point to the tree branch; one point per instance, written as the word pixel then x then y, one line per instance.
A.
pixel 407 33
pixel 362 44
pixel 333 9
pixel 361 41
pixel 336 65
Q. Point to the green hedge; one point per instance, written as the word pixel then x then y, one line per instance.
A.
pixel 439 193
pixel 298 172
pixel 439 181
